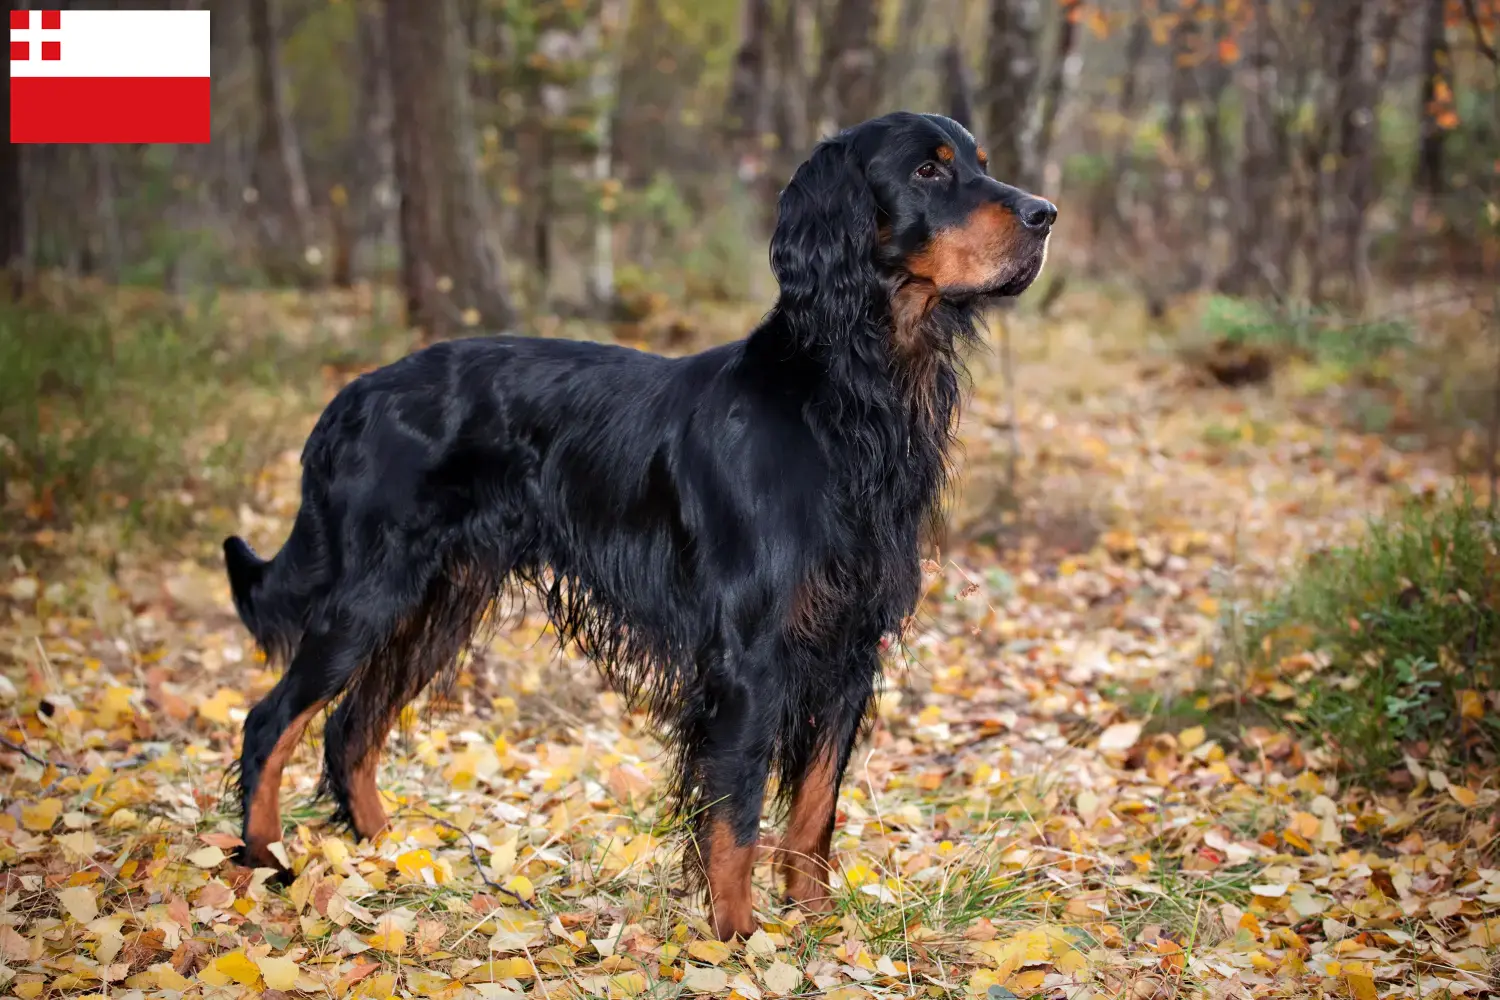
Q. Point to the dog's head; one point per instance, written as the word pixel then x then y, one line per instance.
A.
pixel 906 200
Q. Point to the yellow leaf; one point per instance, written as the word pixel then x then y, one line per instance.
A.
pixel 238 967
pixel 413 863
pixel 504 858
pixel 80 902
pixel 521 886
pixel 627 984
pixel 760 944
pixel 781 978
pixel 1029 981
pixel 1121 736
pixel 216 709
pixel 501 968
pixel 1484 933
pixel 378 986
pixel 429 985
pixel 700 979
pixel 168 978
pixel 392 940
pixel 1361 986
pixel 1470 704
pixel 1191 739
pixel 78 847
pixel 1305 824
pixel 337 852
pixel 1463 796
pixel 858 875
pixel 1005 956
pixel 712 952
pixel 40 817
pixel 207 857
pixel 279 973
pixel 855 993
pixel 980 982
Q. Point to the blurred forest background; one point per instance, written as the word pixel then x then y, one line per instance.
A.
pixel 1210 646
pixel 1314 176
pixel 499 157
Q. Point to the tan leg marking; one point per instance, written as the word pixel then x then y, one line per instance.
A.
pixel 263 824
pixel 805 850
pixel 729 869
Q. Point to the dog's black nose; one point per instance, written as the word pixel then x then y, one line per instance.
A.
pixel 1036 213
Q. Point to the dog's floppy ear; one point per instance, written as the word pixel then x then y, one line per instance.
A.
pixel 823 249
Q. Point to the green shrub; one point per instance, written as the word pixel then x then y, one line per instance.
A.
pixel 1318 333
pixel 1391 644
pixel 152 412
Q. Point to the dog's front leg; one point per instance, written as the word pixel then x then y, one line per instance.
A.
pixel 731 765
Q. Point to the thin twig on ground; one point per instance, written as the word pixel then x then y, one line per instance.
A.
pixel 18 748
pixel 473 856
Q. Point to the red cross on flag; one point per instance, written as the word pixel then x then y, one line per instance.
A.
pixel 109 76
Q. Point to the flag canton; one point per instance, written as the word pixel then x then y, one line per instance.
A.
pixel 20 20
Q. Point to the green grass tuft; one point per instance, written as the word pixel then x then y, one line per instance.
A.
pixel 1392 644
pixel 1317 333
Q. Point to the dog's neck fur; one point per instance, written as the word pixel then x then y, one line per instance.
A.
pixel 897 365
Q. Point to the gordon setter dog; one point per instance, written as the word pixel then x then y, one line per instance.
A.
pixel 728 535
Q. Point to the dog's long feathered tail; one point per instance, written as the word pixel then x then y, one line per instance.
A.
pixel 272 595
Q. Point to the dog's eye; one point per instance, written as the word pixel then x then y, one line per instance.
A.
pixel 928 170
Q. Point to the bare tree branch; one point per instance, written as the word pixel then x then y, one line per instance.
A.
pixel 1483 44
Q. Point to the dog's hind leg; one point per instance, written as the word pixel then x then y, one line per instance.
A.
pixel 353 741
pixel 424 644
pixel 319 671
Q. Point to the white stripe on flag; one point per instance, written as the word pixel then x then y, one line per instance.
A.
pixel 114 43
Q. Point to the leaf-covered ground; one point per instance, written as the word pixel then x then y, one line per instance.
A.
pixel 1044 807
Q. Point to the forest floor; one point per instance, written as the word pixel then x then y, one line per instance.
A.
pixel 1047 805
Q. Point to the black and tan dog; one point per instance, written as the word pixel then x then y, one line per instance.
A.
pixel 728 535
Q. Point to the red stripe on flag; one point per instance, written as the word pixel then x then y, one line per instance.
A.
pixel 109 109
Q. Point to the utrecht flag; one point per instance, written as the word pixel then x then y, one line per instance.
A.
pixel 109 76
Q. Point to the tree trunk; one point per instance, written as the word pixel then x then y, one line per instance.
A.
pixel 1357 131
pixel 1250 270
pixel 903 59
pixel 451 264
pixel 283 205
pixel 361 211
pixel 1066 64
pixel 958 91
pixel 1010 72
pixel 613 27
pixel 1436 66
pixel 111 244
pixel 12 222
pixel 1183 81
pixel 746 112
pixel 791 113
pixel 1212 84
pixel 848 85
